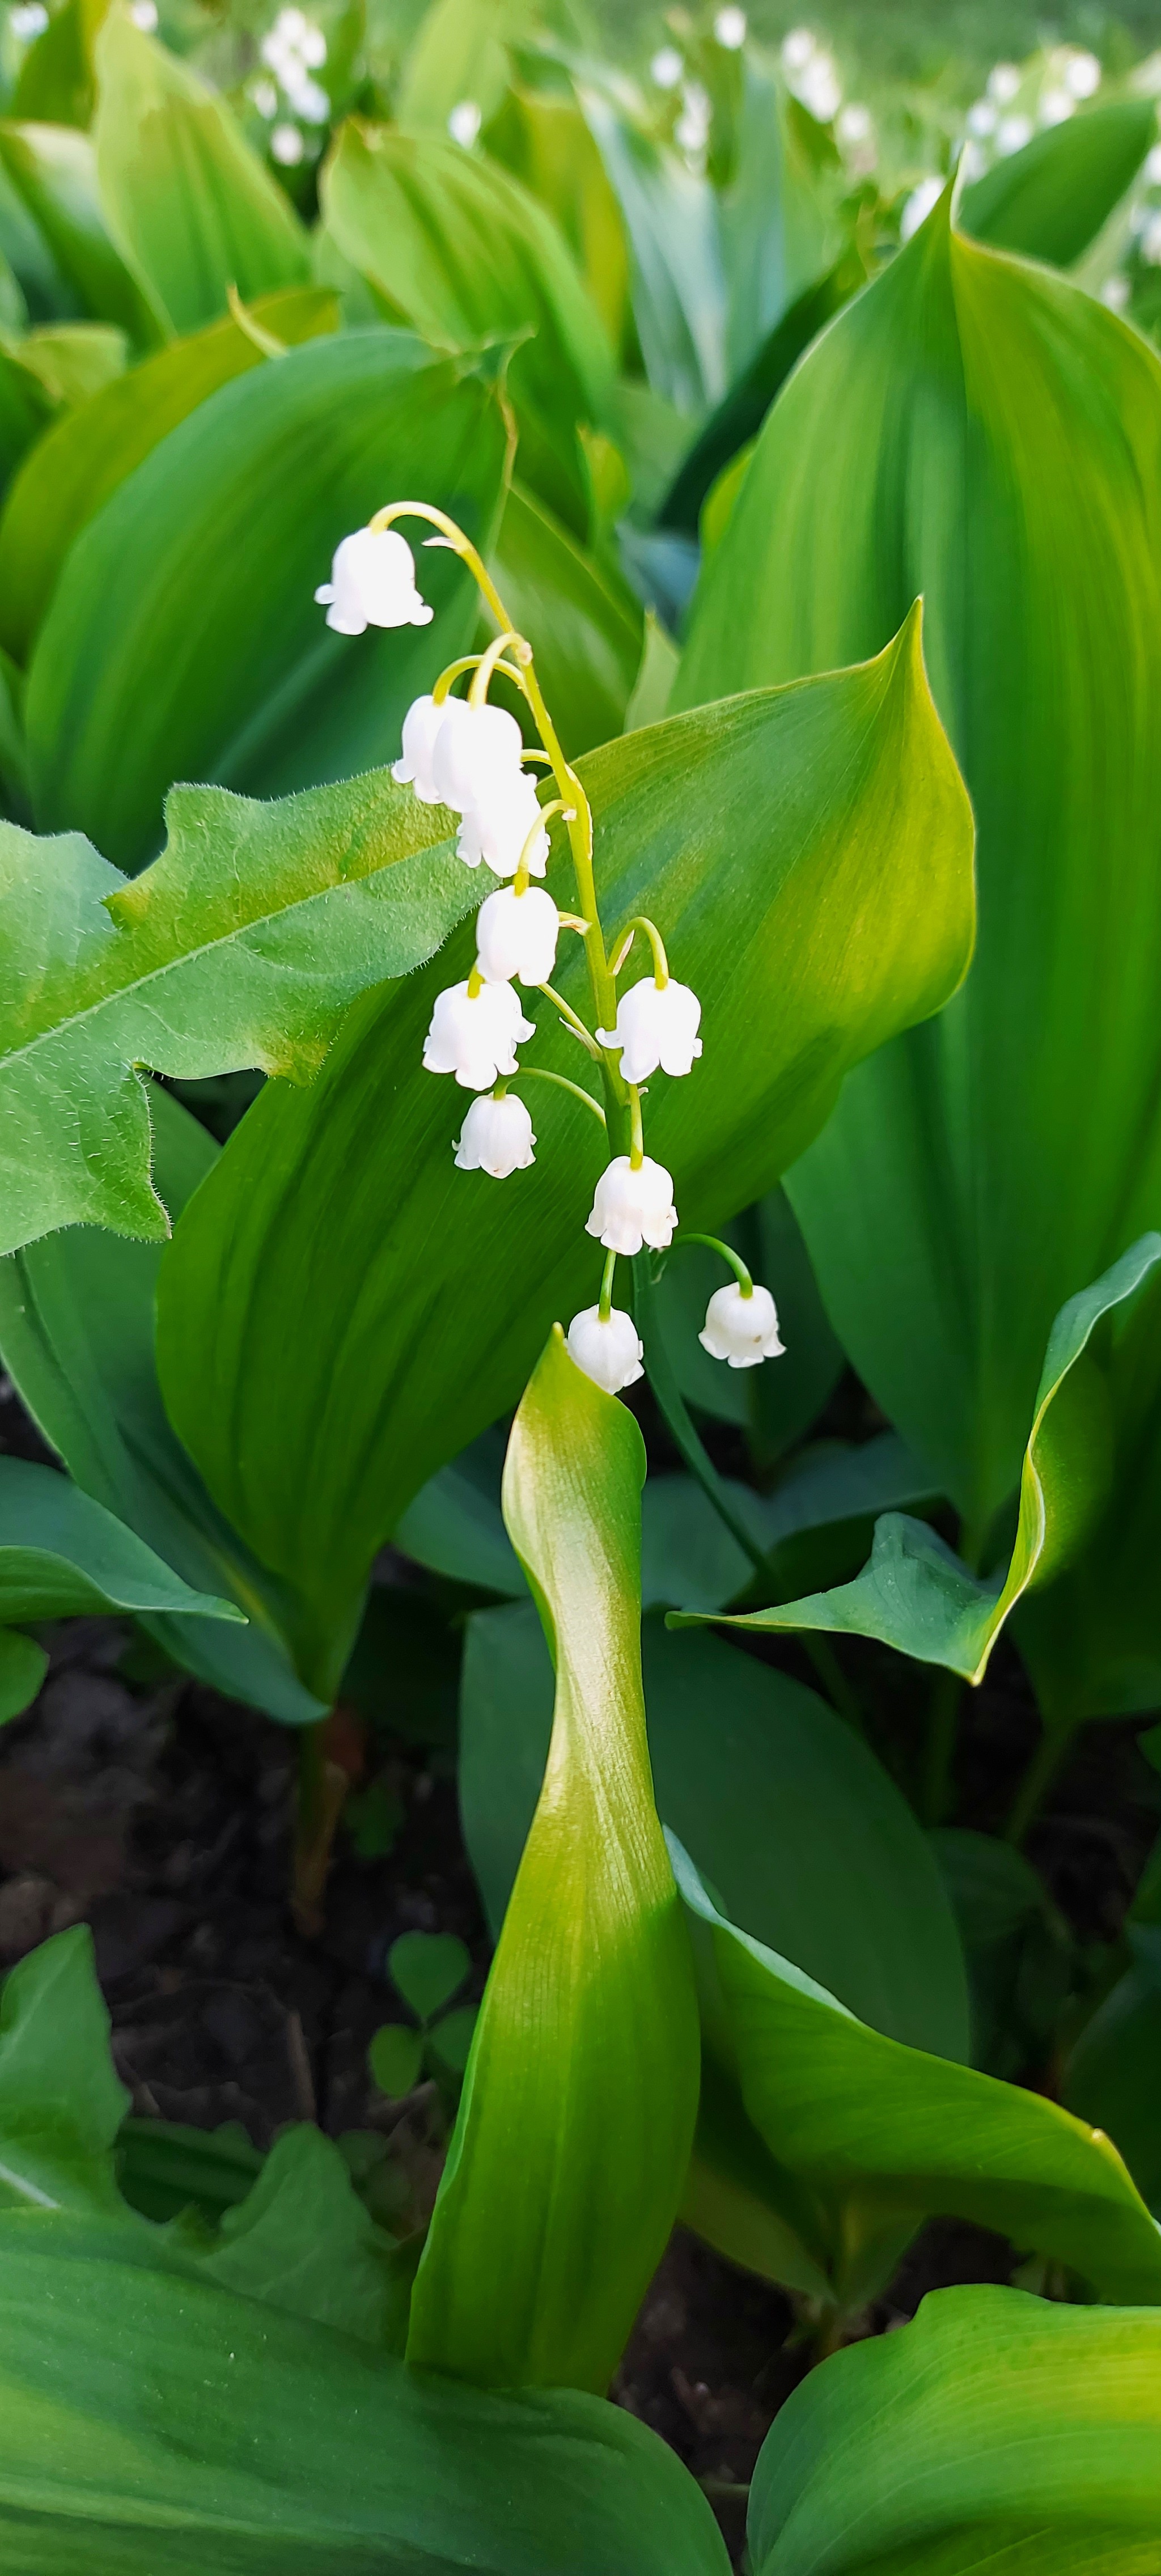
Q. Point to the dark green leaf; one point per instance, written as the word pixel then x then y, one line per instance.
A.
pixel 590 623
pixel 54 169
pixel 674 254
pixel 395 2058
pixel 1113 2076
pixel 61 1554
pixel 428 1968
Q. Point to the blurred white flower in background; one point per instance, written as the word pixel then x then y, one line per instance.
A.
pixel 144 15
pixel 27 21
pixel 464 123
pixel 1003 83
pixel 1152 169
pixel 1081 73
pixel 730 29
pixel 1116 292
pixel 1150 242
pixel 287 146
pixel 264 96
pixel 982 119
pixel 797 49
pixel 666 68
pixel 1012 133
pixel 293 50
pixel 855 129
pixel 812 75
pixel 1055 107
pixel 973 161
pixel 919 205
pixel 693 125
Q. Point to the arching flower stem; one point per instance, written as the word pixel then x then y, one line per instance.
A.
pixel 624 941
pixel 520 881
pixel 715 1244
pixel 471 662
pixel 540 1073
pixel 571 1021
pixel 489 662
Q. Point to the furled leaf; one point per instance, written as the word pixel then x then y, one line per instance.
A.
pixel 865 2137
pixel 588 2026
pixel 589 622
pixel 979 1173
pixel 244 943
pixel 82 459
pixel 62 1554
pixel 456 247
pixel 1050 200
pixel 76 1331
pixel 915 1594
pixel 996 2430
pixel 54 169
pixel 190 207
pixel 184 640
pixel 61 2104
pixel 674 254
pixel 807 857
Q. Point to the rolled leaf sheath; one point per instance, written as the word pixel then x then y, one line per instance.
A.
pixel 569 2155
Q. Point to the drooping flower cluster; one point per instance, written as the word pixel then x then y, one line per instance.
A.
pixel 469 755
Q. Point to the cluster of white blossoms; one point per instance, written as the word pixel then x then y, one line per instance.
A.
pixel 469 755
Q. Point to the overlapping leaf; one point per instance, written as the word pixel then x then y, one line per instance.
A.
pixel 591 624
pixel 782 841
pixel 243 944
pixel 54 169
pixel 183 639
pixel 1050 200
pixel 589 2023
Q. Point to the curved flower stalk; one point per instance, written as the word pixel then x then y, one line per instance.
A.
pixel 469 754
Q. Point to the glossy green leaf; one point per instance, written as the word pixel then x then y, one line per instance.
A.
pixel 183 639
pixel 456 247
pixel 817 817
pixel 588 2026
pixel 670 219
pixel 244 943
pixel 23 1665
pixel 997 1161
pixel 395 2058
pixel 996 2430
pixel 82 459
pixel 191 208
pixel 865 2137
pixel 590 622
pixel 61 1553
pixel 54 168
pixel 428 1968
pixel 915 1594
pixel 76 1331
pixel 1050 200
pixel 61 2104
pixel 1113 2074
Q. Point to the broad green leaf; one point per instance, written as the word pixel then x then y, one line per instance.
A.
pixel 148 2416
pixel 1050 200
pixel 739 416
pixel 164 2167
pixel 191 209
pixel 76 1331
pixel 183 639
pixel 56 82
pixel 670 219
pixel 428 1968
pixel 588 2026
pixel 590 622
pixel 81 460
pixel 455 1526
pixel 53 167
pixel 542 138
pixel 23 1665
pixel 72 360
pixel 61 2104
pixel 806 854
pixel 456 247
pixel 61 1554
pixel 997 2430
pixel 866 2137
pixel 302 2241
pixel 244 943
pixel 1113 2075
pixel 915 1594
pixel 997 1161
pixel 458 53
pixel 778 229
pixel 790 1816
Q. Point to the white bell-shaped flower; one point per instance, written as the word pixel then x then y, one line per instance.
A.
pixel 608 1349
pixel 633 1207
pixel 516 934
pixel 500 824
pixel 422 726
pixel 477 754
pixel 475 1035
pixel 372 583
pixel 496 1137
pixel 739 1329
pixel 656 1025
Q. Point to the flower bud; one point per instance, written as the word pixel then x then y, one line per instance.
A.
pixel 477 754
pixel 609 1350
pixel 475 1035
pixel 372 583
pixel 421 728
pixel 655 1026
pixel 516 934
pixel 633 1207
pixel 739 1329
pixel 496 1137
pixel 498 825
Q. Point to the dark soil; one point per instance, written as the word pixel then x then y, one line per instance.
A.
pixel 162 1815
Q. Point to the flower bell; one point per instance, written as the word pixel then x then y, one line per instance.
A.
pixel 498 828
pixel 741 1329
pixel 421 728
pixel 475 1035
pixel 516 934
pixel 607 1347
pixel 657 1024
pixel 477 755
pixel 372 583
pixel 633 1207
pixel 496 1137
